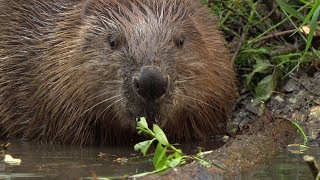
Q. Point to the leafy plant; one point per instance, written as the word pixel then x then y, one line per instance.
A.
pixel 267 85
pixel 162 159
pixel 268 40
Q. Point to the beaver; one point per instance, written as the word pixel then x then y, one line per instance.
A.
pixel 83 71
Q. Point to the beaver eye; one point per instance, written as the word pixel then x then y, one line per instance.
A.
pixel 180 42
pixel 112 42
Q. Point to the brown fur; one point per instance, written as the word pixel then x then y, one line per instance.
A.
pixel 61 81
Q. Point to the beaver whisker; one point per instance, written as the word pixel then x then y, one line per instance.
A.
pixel 84 125
pixel 108 99
pixel 186 77
pixel 192 79
pixel 112 104
pixel 103 94
pixel 179 80
pixel 200 101
pixel 114 82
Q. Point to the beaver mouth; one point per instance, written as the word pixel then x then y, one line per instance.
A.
pixel 151 112
pixel 149 88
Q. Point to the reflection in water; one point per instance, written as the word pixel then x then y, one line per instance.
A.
pixel 48 160
pixel 73 162
pixel 45 160
pixel 285 166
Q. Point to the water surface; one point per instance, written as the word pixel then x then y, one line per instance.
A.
pixel 43 160
pixel 53 161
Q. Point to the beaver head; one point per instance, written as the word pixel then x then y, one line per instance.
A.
pixel 91 68
pixel 161 59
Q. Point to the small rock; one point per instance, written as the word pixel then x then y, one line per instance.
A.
pixel 10 160
pixel 314 122
pixel 290 86
pixel 225 138
pixel 279 98
pixel 298 117
pixel 253 108
pixel 122 160
pixel 314 113
pixel 293 100
pixel 316 75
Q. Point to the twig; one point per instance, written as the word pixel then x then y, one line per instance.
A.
pixel 288 49
pixel 233 10
pixel 273 35
pixel 266 17
pixel 308 89
pixel 236 53
pixel 300 83
pixel 231 31
pixel 243 37
pixel 312 165
pixel 275 26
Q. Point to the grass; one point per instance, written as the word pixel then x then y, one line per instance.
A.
pixel 267 41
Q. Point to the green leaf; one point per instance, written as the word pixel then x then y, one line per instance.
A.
pixel 142 123
pixel 175 162
pixel 300 129
pixel 143 174
pixel 259 67
pixel 143 146
pixel 160 158
pixel 218 164
pixel 159 134
pixel 178 154
pixel 313 26
pixel 205 163
pixel 255 51
pixel 313 9
pixel 287 8
pixel 174 155
pixel 265 88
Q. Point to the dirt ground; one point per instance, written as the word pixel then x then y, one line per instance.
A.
pixel 264 130
pixel 297 99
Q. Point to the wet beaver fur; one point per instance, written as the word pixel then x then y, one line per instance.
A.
pixel 81 72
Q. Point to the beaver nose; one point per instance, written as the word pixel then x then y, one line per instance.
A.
pixel 151 83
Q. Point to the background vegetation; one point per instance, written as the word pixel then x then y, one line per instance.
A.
pixel 269 39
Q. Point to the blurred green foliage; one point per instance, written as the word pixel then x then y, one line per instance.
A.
pixel 269 39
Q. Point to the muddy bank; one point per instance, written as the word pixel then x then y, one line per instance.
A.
pixel 255 142
pixel 297 99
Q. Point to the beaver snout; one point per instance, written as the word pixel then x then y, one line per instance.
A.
pixel 150 83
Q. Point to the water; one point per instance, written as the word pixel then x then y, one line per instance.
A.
pixel 45 160
pixel 284 166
